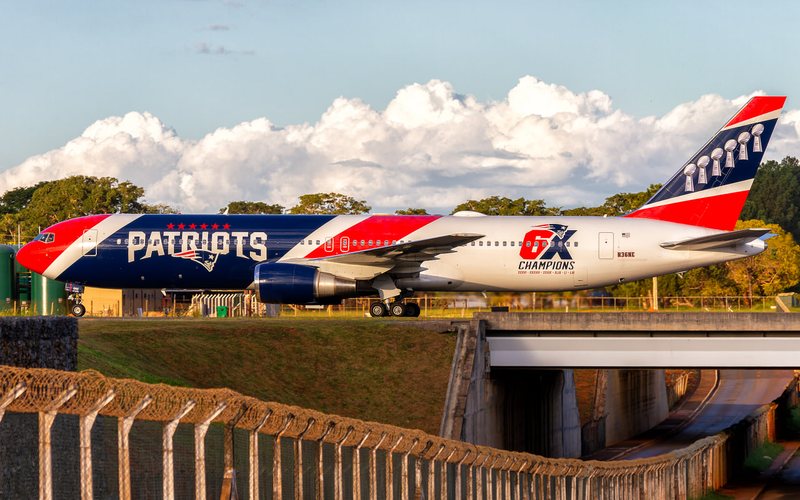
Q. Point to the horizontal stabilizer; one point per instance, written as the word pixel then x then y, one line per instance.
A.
pixel 715 241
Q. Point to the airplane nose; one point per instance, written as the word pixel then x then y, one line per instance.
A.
pixel 31 256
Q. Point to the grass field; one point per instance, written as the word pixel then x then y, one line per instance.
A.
pixel 388 371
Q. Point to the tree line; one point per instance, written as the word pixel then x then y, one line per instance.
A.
pixel 774 202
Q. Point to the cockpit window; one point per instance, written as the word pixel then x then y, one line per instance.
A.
pixel 45 237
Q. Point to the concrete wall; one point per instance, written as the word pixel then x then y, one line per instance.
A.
pixel 39 342
pixel 636 400
pixel 521 410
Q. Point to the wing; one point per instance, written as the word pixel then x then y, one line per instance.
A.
pixel 716 241
pixel 399 259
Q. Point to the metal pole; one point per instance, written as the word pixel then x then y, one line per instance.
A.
pixel 124 425
pixel 373 469
pixel 320 469
pixel 200 431
pixel 298 461
pixel 46 419
pixel 252 477
pixel 86 424
pixel 168 486
pixel 277 479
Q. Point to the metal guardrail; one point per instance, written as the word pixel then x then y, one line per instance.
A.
pixel 359 459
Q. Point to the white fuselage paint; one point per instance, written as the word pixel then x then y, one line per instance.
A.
pixel 633 253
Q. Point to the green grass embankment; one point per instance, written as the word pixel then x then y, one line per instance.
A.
pixel 387 371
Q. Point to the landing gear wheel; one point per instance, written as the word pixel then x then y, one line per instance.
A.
pixel 377 309
pixel 398 309
pixel 412 310
pixel 78 310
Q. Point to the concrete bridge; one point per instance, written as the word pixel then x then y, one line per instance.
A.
pixel 512 385
pixel 642 340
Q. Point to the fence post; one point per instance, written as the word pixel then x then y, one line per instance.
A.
pixel 320 468
pixel 338 484
pixel 432 473
pixel 418 470
pixel 357 466
pixel 404 470
pixel 168 486
pixel 124 425
pixel 46 419
pixel 389 472
pixel 200 431
pixel 467 453
pixel 277 478
pixel 443 475
pixel 298 461
pixel 86 424
pixel 228 490
pixel 373 469
pixel 252 476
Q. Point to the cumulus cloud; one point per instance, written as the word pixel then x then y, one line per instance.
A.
pixel 430 147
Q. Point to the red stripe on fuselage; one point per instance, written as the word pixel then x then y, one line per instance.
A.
pixel 715 212
pixel 380 230
pixel 37 256
pixel 756 107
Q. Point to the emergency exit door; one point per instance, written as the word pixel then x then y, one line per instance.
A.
pixel 605 245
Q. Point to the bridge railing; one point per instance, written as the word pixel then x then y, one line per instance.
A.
pixel 270 450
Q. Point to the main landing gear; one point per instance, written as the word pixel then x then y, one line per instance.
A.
pixel 76 298
pixel 409 310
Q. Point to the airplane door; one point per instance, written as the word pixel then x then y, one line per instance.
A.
pixel 90 242
pixel 329 244
pixel 605 245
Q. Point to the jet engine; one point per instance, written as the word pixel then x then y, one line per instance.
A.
pixel 279 283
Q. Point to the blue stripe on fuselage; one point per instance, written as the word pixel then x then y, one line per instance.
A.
pixel 123 262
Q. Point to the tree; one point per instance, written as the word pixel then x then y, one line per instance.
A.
pixel 618 204
pixel 775 195
pixel 76 196
pixel 16 199
pixel 412 211
pixel 773 271
pixel 252 207
pixel 496 205
pixel 329 203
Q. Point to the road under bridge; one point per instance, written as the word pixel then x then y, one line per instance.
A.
pixel 512 383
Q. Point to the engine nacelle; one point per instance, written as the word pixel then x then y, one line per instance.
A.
pixel 279 283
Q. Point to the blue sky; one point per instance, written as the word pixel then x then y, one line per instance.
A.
pixel 199 65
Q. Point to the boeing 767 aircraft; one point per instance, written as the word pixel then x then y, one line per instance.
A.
pixel 322 259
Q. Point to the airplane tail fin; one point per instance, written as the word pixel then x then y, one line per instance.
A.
pixel 711 188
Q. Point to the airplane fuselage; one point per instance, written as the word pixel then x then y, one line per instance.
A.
pixel 221 252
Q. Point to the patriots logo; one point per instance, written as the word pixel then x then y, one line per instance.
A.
pixel 559 229
pixel 203 257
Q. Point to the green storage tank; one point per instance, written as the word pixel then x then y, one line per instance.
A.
pixel 48 297
pixel 22 276
pixel 7 277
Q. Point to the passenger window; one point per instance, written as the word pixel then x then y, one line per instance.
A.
pixel 567 243
pixel 576 244
pixel 504 243
pixel 512 243
pixel 480 243
pixel 535 244
pixel 310 242
pixel 528 244
pixel 370 243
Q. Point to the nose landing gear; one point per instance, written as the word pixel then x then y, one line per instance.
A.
pixel 75 296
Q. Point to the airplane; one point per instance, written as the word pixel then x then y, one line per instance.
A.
pixel 322 259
